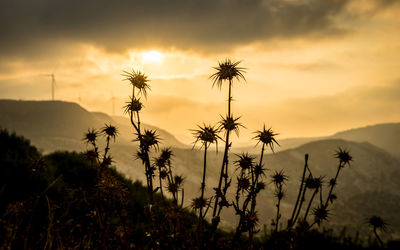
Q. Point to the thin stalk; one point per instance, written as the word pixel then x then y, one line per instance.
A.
pixel 203 183
pixel 106 150
pixel 379 238
pixel 302 183
pixel 159 176
pixel 224 167
pixel 309 204
pixel 301 202
pixel 278 215
pixel 333 184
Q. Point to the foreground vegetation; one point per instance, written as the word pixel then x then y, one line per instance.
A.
pixel 65 201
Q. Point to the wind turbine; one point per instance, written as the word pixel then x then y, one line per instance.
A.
pixel 53 81
pixel 53 84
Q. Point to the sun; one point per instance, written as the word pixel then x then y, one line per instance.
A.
pixel 153 56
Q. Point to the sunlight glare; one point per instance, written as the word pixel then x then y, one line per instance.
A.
pixel 152 56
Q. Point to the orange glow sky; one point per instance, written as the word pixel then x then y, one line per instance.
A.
pixel 312 67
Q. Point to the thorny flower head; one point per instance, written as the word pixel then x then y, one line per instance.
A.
pixel 178 179
pixel 172 187
pixel 259 170
pixel 314 183
pixel 320 214
pixel 344 156
pixel 134 105
pixel 91 136
pixel 245 161
pixel 266 136
pixel 377 223
pixel 230 124
pixel 260 186
pixel 163 174
pixel 206 135
pixel 279 194
pixel 332 198
pixel 166 154
pixel 138 81
pixel 227 70
pixel 149 139
pixel 109 131
pixel 279 177
pixel 198 203
pixel 243 183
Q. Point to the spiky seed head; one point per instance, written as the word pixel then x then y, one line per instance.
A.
pixel 138 80
pixel 259 170
pixel 260 186
pixel 172 188
pixel 245 161
pixel 109 131
pixel 250 221
pixel 163 174
pixel 314 183
pixel 159 162
pixel 149 139
pixel 229 123
pixel 332 198
pixel 198 203
pixel 321 213
pixel 227 70
pixel 134 105
pixel 332 182
pixel 141 155
pixel 166 154
pixel 267 137
pixel 279 194
pixel 107 161
pixel 344 156
pixel 206 135
pixel 377 223
pixel 279 177
pixel 243 183
pixel 91 136
pixel 178 179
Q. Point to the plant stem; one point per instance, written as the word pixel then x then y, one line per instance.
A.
pixel 224 167
pixel 333 184
pixel 309 204
pixel 302 183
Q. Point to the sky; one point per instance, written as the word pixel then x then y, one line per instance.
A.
pixel 312 67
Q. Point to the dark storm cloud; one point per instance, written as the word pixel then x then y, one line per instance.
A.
pixel 32 26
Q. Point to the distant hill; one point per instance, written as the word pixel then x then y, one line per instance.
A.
pixel 54 125
pixel 385 136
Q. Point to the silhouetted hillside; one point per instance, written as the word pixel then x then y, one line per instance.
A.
pixel 385 136
pixel 57 125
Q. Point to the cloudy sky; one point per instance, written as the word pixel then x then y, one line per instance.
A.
pixel 313 67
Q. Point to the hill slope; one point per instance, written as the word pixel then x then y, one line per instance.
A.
pixel 57 125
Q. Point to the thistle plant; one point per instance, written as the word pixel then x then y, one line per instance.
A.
pixel 226 71
pixel 148 138
pixel 278 179
pixel 344 159
pixel 93 154
pixel 206 135
pixel 301 194
pixel 377 223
